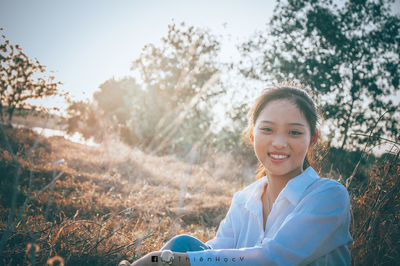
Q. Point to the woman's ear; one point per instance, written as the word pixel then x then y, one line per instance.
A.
pixel 314 138
pixel 251 136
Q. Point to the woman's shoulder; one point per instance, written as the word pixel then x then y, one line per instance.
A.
pixel 324 183
pixel 251 190
pixel 324 187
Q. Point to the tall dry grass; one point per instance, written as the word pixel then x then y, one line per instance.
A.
pixel 67 203
pixel 376 216
pixel 102 204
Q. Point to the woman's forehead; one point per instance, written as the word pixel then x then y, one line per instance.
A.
pixel 282 111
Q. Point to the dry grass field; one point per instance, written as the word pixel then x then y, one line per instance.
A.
pixel 67 203
pixel 109 202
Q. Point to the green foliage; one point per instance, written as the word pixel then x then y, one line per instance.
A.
pixel 348 54
pixel 166 105
pixel 230 138
pixel 20 80
pixel 179 85
pixel 84 118
pixel 344 167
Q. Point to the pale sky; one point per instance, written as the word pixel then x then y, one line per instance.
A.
pixel 89 41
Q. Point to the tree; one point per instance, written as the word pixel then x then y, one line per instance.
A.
pixel 20 80
pixel 347 53
pixel 166 104
pixel 180 79
pixel 83 118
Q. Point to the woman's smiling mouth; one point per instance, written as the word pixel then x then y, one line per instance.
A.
pixel 278 156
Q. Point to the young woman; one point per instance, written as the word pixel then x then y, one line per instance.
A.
pixel 289 216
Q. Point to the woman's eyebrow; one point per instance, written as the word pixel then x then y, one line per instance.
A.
pixel 297 124
pixel 267 121
pixel 290 124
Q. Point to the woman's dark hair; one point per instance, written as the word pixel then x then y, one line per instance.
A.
pixel 296 95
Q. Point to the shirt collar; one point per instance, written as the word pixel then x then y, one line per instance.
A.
pixel 293 190
pixel 253 202
pixel 296 187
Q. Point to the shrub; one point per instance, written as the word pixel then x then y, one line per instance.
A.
pixel 376 216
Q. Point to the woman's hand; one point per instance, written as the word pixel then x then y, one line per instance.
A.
pixel 154 259
pixel 151 259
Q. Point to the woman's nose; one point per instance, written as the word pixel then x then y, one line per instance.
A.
pixel 279 142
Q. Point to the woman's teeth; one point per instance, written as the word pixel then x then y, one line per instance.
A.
pixel 280 156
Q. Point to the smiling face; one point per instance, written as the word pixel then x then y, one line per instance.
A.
pixel 281 139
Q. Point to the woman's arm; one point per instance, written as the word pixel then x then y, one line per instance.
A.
pixel 318 225
pixel 225 237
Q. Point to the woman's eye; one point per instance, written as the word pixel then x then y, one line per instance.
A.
pixel 266 129
pixel 295 132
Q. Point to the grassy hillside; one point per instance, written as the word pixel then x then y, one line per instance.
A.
pixel 98 205
pixel 110 203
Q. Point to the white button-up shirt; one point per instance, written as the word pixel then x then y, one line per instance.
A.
pixel 308 224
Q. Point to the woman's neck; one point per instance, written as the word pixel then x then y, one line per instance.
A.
pixel 275 186
pixel 277 183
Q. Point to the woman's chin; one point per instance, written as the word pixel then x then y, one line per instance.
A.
pixel 284 172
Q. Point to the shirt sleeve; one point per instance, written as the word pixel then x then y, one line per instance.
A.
pixel 318 225
pixel 225 238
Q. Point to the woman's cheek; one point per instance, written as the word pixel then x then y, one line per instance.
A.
pixel 260 148
pixel 304 148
